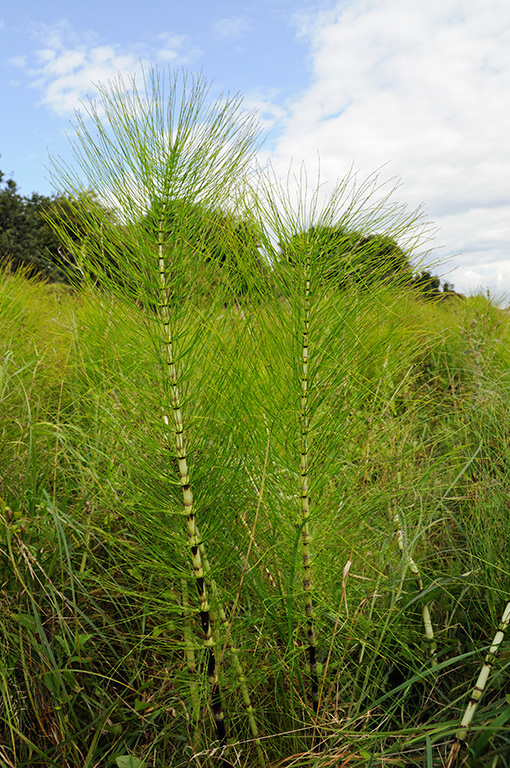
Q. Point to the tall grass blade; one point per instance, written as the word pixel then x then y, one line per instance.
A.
pixel 427 621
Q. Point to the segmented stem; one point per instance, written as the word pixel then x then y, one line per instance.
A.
pixel 305 499
pixel 461 735
pixel 196 546
pixel 190 654
pixel 250 711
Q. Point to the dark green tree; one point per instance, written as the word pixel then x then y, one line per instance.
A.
pixel 19 229
pixel 226 245
pixel 428 285
pixel 64 234
pixel 351 257
pixel 28 241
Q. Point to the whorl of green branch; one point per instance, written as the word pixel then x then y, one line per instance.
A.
pixel 161 151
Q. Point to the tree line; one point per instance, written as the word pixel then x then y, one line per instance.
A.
pixel 27 240
pixel 30 241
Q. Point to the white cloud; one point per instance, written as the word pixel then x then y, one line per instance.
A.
pixel 267 108
pixel 493 277
pixel 66 67
pixel 171 49
pixel 18 61
pixel 425 87
pixel 233 26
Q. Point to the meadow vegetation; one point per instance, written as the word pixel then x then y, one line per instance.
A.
pixel 249 516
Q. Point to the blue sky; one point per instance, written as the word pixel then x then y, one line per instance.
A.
pixel 419 90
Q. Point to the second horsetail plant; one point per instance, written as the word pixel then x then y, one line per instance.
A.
pixel 309 322
pixel 165 162
pixel 476 695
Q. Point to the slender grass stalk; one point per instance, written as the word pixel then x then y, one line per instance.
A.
pixel 342 603
pixel 476 695
pixel 257 547
pixel 228 626
pixel 253 542
pixel 88 513
pixel 425 611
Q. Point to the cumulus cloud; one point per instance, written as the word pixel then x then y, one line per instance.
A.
pixel 423 87
pixel 169 46
pixel 65 67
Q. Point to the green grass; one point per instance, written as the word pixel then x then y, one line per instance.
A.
pixel 251 522
pixel 410 415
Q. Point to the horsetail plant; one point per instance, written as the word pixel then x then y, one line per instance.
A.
pixel 164 164
pixel 476 695
pixel 310 317
pixel 195 543
pixel 201 565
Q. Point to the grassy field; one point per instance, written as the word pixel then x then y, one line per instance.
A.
pixel 330 596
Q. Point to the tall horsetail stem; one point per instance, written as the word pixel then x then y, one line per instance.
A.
pixel 195 544
pixel 461 735
pixel 305 499
pixel 248 706
pixel 206 569
pixel 190 653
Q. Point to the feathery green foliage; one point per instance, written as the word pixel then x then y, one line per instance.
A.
pixel 105 555
pixel 270 433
